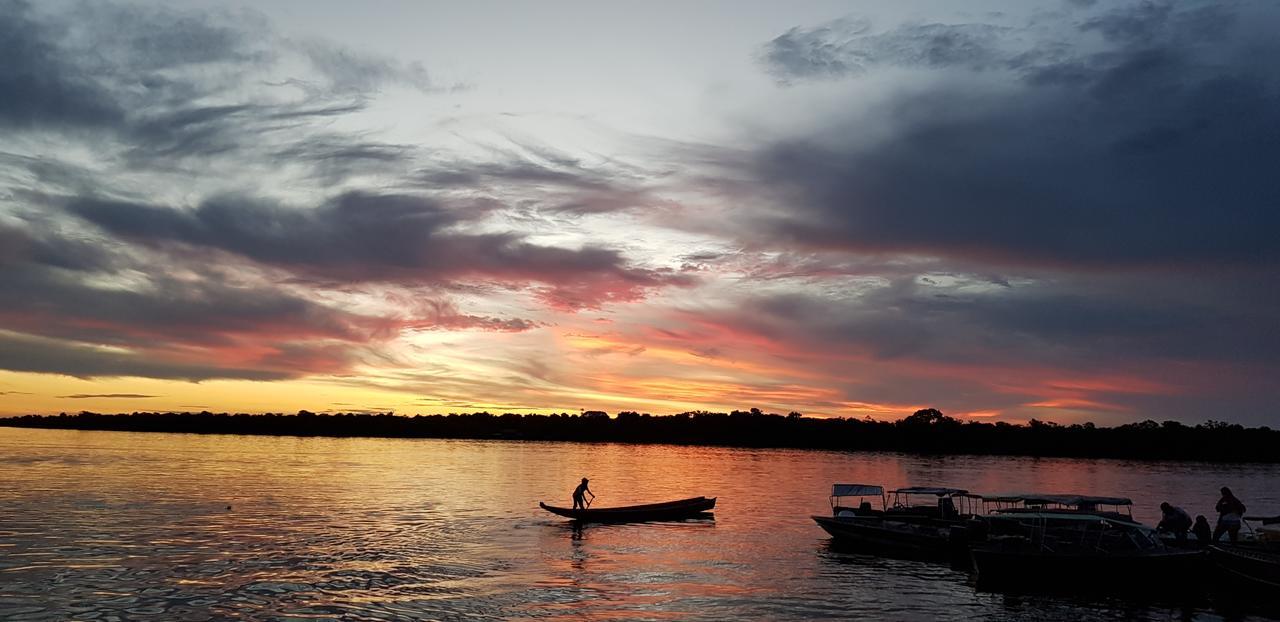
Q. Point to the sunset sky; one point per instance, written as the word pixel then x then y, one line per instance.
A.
pixel 1063 210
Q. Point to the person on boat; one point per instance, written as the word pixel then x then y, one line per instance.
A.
pixel 1202 531
pixel 1230 511
pixel 579 495
pixel 1175 520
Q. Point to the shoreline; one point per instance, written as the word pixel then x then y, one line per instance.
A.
pixel 1133 442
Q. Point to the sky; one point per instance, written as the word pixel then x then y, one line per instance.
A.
pixel 1061 210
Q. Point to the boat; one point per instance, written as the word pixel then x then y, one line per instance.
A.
pixel 1254 565
pixel 889 537
pixel 1114 508
pixel 1053 551
pixel 695 507
pixel 903 528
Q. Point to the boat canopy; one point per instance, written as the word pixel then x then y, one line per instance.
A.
pixel 856 490
pixel 1060 517
pixel 930 490
pixel 1059 499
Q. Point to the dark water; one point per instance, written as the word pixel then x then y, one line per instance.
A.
pixel 122 526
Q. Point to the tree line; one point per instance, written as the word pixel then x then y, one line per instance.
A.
pixel 925 431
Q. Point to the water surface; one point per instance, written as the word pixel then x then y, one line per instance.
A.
pixel 118 525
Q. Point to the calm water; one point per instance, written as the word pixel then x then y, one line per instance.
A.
pixel 119 526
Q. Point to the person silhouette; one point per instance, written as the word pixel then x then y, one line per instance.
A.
pixel 1202 531
pixel 1230 512
pixel 1174 520
pixel 578 495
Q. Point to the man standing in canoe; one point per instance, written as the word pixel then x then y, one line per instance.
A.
pixel 578 500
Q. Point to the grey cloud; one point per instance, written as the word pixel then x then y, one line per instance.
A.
pixel 113 37
pixel 39 85
pixel 141 79
pixel 549 182
pixel 336 158
pixel 1155 155
pixel 385 238
pixel 49 356
pixel 1088 326
pixel 349 70
pixel 848 47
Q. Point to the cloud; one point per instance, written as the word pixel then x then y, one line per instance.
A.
pixel 361 237
pixel 50 356
pixel 848 47
pixel 349 70
pixel 40 85
pixel 162 85
pixel 1150 149
pixel 1125 341
pixel 85 396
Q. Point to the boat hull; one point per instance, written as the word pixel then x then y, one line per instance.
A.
pixel 890 538
pixel 696 507
pixel 1143 571
pixel 1249 564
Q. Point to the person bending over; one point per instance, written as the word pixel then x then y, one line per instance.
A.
pixel 1174 520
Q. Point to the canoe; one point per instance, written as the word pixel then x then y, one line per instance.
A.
pixel 671 510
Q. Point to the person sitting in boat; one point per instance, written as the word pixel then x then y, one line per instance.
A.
pixel 1175 520
pixel 578 495
pixel 1230 510
pixel 1202 531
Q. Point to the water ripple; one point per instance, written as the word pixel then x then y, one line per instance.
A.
pixel 119 526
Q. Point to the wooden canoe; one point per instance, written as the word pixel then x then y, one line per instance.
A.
pixel 671 510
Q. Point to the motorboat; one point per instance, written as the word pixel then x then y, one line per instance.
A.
pixel 1255 565
pixel 1114 508
pixel 695 507
pixel 1053 551
pixel 901 528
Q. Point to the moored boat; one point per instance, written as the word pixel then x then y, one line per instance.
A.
pixel 884 536
pixel 695 507
pixel 904 528
pixel 1114 508
pixel 1254 565
pixel 1050 551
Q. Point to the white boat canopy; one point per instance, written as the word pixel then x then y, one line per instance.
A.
pixel 1059 499
pixel 1070 518
pixel 856 490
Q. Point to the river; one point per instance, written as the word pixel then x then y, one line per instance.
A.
pixel 136 526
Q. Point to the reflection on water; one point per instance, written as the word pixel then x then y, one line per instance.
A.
pixel 108 525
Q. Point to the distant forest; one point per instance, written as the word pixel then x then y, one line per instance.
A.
pixel 926 431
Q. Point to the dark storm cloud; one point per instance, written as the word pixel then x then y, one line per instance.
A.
pixel 39 85
pixel 368 237
pixel 1070 323
pixel 1155 148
